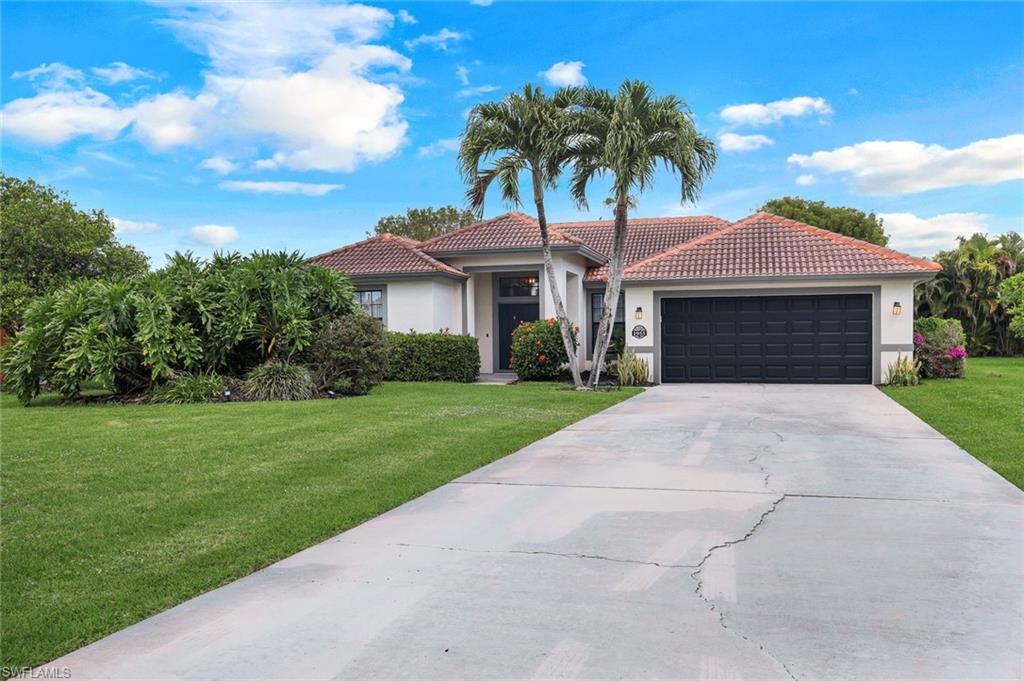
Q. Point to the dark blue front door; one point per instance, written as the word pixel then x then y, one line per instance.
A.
pixel 511 315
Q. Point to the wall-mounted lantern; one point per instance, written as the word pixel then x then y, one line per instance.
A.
pixel 639 314
pixel 897 309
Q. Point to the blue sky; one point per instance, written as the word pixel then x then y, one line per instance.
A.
pixel 282 125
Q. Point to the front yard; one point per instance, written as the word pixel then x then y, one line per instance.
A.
pixel 983 413
pixel 113 513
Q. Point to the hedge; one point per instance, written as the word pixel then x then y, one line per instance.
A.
pixel 433 357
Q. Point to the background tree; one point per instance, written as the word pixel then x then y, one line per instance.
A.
pixel 423 224
pixel 524 132
pixel 46 242
pixel 838 219
pixel 628 135
pixel 1011 295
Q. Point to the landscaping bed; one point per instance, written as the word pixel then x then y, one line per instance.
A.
pixel 112 513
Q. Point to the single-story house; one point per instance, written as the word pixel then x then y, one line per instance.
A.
pixel 763 299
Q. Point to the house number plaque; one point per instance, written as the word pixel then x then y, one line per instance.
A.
pixel 639 331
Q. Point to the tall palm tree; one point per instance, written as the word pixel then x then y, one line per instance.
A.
pixel 524 132
pixel 627 135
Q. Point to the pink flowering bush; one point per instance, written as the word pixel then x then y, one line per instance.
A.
pixel 538 353
pixel 939 347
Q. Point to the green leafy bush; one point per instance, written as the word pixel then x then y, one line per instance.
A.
pixel 1011 295
pixel 188 388
pixel 538 353
pixel 350 356
pixel 904 371
pixel 433 357
pixel 939 347
pixel 630 369
pixel 226 315
pixel 279 381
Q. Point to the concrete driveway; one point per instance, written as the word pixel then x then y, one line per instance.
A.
pixel 695 531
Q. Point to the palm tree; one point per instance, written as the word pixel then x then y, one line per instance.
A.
pixel 524 132
pixel 628 135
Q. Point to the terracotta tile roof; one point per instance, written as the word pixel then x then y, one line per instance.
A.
pixel 384 254
pixel 765 245
pixel 510 231
pixel 644 238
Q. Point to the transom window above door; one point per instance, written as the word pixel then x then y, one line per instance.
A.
pixel 519 287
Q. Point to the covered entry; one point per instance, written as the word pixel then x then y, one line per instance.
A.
pixel 767 339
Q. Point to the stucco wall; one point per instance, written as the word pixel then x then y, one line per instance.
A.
pixel 423 304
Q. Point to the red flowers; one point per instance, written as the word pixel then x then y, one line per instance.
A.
pixel 542 358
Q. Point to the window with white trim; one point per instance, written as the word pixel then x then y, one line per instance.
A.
pixel 372 302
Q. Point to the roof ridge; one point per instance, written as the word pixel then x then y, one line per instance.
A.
pixel 686 245
pixel 412 246
pixel 634 221
pixel 847 240
pixel 476 225
pixel 375 237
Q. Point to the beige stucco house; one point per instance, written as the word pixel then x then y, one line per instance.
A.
pixel 763 299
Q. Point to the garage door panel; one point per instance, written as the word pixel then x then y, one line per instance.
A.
pixel 804 338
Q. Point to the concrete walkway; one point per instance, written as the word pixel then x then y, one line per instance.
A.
pixel 711 532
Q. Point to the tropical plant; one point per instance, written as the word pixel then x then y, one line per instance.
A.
pixel 350 355
pixel 939 347
pixel 226 315
pixel 433 357
pixel 838 219
pixel 524 132
pixel 1011 296
pixel 188 389
pixel 627 135
pixel 904 371
pixel 630 369
pixel 968 289
pixel 279 381
pixel 423 224
pixel 538 353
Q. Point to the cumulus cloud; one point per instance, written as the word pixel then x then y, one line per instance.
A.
pixel 122 226
pixel 214 235
pixel 303 188
pixel 171 120
pixel 565 74
pixel 405 17
pixel 774 112
pixel 481 3
pixel 439 148
pixel 220 165
pixel 55 117
pixel 439 41
pixel 905 167
pixel 730 141
pixel 927 236
pixel 51 76
pixel 806 180
pixel 119 72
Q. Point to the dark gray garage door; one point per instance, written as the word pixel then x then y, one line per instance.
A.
pixel 767 339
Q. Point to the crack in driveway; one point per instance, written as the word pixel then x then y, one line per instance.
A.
pixel 524 552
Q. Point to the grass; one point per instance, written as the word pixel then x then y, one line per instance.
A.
pixel 113 513
pixel 983 413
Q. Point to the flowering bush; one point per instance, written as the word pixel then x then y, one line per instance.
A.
pixel 939 347
pixel 538 353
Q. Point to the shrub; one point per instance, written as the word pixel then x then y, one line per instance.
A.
pixel 433 357
pixel 939 347
pixel 279 381
pixel 538 353
pixel 189 388
pixel 630 369
pixel 904 371
pixel 350 355
pixel 1011 295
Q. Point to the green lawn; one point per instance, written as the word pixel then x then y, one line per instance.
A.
pixel 113 513
pixel 983 413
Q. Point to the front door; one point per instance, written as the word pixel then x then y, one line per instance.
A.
pixel 510 316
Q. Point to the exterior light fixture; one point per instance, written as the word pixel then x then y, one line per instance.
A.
pixel 639 314
pixel 897 309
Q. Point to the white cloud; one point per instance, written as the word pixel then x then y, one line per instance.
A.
pixel 904 167
pixel 927 236
pixel 853 92
pixel 171 120
pixel 304 188
pixel 405 17
pixel 439 41
pixel 119 72
pixel 730 141
pixel 122 226
pixel 806 180
pixel 462 74
pixel 51 76
pixel 774 112
pixel 214 235
pixel 220 165
pixel 481 3
pixel 475 90
pixel 565 74
pixel 439 148
pixel 55 117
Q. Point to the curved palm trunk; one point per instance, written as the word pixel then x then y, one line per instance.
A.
pixel 556 295
pixel 611 293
